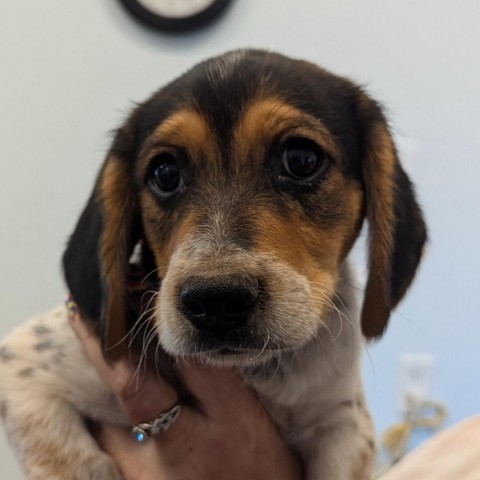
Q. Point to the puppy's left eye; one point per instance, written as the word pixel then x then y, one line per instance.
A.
pixel 301 159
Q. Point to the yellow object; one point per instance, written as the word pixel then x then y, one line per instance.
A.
pixel 427 414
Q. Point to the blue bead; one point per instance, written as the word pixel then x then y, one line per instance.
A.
pixel 140 437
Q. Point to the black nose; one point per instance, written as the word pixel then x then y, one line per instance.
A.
pixel 219 304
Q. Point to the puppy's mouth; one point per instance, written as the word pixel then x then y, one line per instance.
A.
pixel 238 349
pixel 233 356
pixel 226 348
pixel 229 351
pixel 237 352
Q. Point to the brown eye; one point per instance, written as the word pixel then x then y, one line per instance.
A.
pixel 165 175
pixel 301 159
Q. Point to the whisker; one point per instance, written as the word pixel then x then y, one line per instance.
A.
pixel 265 344
pixel 154 271
pixel 143 319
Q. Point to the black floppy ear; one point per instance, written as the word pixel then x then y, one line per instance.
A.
pixel 95 262
pixel 397 231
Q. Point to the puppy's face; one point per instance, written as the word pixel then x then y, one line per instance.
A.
pixel 247 226
pixel 248 206
pixel 248 179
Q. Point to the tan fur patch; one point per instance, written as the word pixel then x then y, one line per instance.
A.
pixel 290 240
pixel 308 246
pixel 118 204
pixel 189 131
pixel 185 129
pixel 265 119
pixel 378 166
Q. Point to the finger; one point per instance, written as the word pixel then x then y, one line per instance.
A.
pixel 141 392
pixel 219 390
pixel 111 374
pixel 146 397
pixel 134 460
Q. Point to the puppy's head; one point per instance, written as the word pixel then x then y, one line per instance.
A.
pixel 246 181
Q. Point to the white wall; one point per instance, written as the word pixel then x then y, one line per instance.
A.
pixel 69 70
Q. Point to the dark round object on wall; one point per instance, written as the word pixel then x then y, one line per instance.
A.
pixel 175 15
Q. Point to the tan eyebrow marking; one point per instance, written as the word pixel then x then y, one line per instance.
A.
pixel 264 119
pixel 186 129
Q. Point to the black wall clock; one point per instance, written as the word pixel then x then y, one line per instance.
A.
pixel 175 15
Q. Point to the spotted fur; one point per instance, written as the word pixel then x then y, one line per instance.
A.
pixel 238 221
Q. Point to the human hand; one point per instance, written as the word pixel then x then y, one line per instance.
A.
pixel 230 437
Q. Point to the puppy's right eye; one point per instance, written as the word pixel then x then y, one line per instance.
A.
pixel 165 176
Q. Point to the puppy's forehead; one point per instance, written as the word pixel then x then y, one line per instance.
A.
pixel 221 89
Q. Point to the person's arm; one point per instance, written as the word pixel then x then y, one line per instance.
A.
pixel 231 438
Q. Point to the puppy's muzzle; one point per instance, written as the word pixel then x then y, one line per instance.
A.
pixel 220 304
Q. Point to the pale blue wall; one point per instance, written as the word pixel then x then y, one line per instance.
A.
pixel 69 69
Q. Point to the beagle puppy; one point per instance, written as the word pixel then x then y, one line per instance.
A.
pixel 234 195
